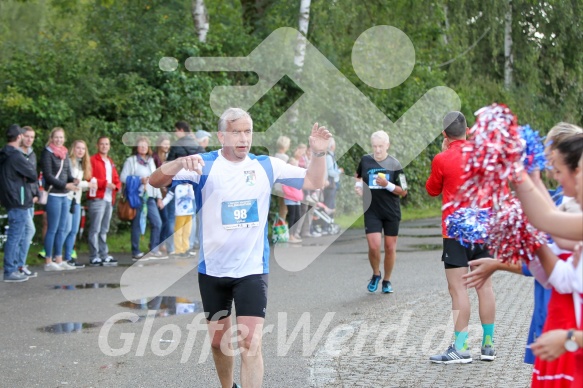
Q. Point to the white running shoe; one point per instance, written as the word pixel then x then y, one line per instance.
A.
pixel 53 267
pixel 66 266
pixel 27 272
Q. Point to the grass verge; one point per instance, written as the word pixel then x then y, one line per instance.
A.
pixel 407 214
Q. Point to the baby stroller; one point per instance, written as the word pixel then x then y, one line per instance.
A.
pixel 322 221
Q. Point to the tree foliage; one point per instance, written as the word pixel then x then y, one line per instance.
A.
pixel 91 66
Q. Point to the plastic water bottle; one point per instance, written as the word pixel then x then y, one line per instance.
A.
pixel 93 189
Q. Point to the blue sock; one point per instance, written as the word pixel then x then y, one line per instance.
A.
pixel 488 336
pixel 461 338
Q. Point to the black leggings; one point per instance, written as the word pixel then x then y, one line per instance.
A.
pixel 293 215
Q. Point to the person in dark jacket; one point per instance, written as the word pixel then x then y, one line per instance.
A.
pixel 16 173
pixel 186 143
pixel 29 229
pixel 59 180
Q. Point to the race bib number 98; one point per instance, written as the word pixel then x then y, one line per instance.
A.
pixel 239 214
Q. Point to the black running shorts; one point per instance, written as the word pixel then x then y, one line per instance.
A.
pixel 218 294
pixel 374 224
pixel 455 255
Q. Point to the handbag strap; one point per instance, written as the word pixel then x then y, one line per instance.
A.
pixel 57 176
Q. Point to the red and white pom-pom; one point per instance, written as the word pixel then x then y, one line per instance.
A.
pixel 511 236
pixel 493 149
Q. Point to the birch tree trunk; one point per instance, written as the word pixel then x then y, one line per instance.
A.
pixel 303 27
pixel 508 57
pixel 300 52
pixel 201 20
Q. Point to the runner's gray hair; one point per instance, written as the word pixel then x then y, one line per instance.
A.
pixel 381 135
pixel 230 115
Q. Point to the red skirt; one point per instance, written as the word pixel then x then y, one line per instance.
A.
pixel 578 383
pixel 560 372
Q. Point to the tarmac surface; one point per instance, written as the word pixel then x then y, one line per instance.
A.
pixel 323 328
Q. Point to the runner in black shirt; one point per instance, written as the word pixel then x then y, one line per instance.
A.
pixel 385 178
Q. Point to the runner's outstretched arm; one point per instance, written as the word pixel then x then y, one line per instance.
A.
pixel 162 177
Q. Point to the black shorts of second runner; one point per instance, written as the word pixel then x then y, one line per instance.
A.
pixel 455 255
pixel 375 224
pixel 218 294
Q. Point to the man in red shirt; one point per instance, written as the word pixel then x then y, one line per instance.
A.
pixel 447 169
pixel 101 204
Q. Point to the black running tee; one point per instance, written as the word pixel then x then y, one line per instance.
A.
pixel 384 204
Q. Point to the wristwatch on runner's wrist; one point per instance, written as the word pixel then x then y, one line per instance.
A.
pixel 570 344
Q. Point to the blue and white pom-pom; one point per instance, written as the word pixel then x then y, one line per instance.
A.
pixel 468 225
pixel 534 150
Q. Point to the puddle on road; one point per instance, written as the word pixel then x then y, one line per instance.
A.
pixel 85 286
pixel 69 327
pixel 165 306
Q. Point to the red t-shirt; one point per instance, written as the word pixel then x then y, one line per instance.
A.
pixel 447 169
pixel 99 173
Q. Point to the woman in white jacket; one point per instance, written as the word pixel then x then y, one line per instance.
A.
pixel 142 164
pixel 81 170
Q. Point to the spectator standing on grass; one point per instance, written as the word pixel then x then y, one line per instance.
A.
pixel 160 155
pixel 29 229
pixel 292 198
pixel 162 148
pixel 186 143
pixel 59 180
pixel 16 174
pixel 141 164
pixel 203 138
pixel 101 204
pixel 81 170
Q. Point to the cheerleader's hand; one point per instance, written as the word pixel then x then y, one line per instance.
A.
pixel 550 345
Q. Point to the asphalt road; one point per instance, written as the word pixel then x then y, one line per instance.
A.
pixel 323 328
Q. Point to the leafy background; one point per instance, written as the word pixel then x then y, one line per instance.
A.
pixel 91 66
